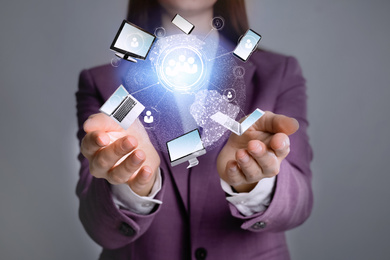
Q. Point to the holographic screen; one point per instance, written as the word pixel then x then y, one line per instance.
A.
pixel 185 81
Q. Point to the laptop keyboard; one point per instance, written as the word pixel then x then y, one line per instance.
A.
pixel 124 109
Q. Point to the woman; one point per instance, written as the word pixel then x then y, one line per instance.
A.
pixel 142 208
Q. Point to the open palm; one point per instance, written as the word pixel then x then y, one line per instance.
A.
pixel 258 153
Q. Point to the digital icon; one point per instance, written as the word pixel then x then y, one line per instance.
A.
pixel 217 23
pixel 122 107
pixel 181 69
pixel 148 118
pixel 183 65
pixel 234 126
pixel 186 147
pixel 238 72
pixel 115 62
pixel 247 45
pixel 183 24
pixel 229 94
pixel 132 42
pixel 159 32
pixel 140 78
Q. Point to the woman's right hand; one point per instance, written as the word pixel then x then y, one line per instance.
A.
pixel 118 155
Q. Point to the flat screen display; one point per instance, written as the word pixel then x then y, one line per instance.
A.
pixel 133 40
pixel 185 145
pixel 247 45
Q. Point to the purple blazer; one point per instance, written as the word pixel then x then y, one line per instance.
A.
pixel 195 220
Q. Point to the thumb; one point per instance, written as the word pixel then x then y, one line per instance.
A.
pixel 101 122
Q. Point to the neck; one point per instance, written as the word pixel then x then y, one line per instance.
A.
pixel 201 21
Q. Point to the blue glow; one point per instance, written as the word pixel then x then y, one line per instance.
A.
pixel 183 100
pixel 182 68
pixel 185 145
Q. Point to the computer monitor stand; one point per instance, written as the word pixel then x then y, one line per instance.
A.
pixel 125 57
pixel 193 162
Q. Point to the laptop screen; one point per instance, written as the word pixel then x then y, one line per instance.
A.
pixel 251 119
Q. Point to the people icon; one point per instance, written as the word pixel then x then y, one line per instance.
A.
pixel 183 65
pixel 248 44
pixel 134 42
pixel 229 95
pixel 148 118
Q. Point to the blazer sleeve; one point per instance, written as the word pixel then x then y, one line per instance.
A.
pixel 109 226
pixel 292 201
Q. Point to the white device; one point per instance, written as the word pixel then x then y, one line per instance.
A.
pixel 247 45
pixel 186 148
pixel 122 107
pixel 183 24
pixel 234 126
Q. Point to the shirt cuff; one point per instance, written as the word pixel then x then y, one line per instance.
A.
pixel 249 203
pixel 125 197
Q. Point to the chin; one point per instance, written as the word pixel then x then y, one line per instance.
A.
pixel 186 6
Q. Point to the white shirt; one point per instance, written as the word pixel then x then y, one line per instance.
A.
pixel 247 203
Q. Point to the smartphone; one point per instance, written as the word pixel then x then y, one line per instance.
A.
pixel 183 24
pixel 247 45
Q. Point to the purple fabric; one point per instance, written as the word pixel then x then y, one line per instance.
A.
pixel 195 213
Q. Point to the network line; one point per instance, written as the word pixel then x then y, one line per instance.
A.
pixel 144 88
pixel 160 99
pixel 208 34
pixel 214 85
pixel 220 56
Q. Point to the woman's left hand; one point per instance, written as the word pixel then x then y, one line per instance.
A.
pixel 258 153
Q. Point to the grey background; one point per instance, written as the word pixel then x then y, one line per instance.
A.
pixel 343 47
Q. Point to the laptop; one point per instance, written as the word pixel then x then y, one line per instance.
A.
pixel 234 126
pixel 122 107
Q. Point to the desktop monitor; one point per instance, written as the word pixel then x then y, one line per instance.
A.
pixel 133 41
pixel 186 148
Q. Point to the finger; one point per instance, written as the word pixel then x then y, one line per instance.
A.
pixel 106 158
pixel 274 123
pixel 92 142
pixel 101 122
pixel 143 181
pixel 249 166
pixel 122 172
pixel 233 174
pixel 265 158
pixel 280 144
